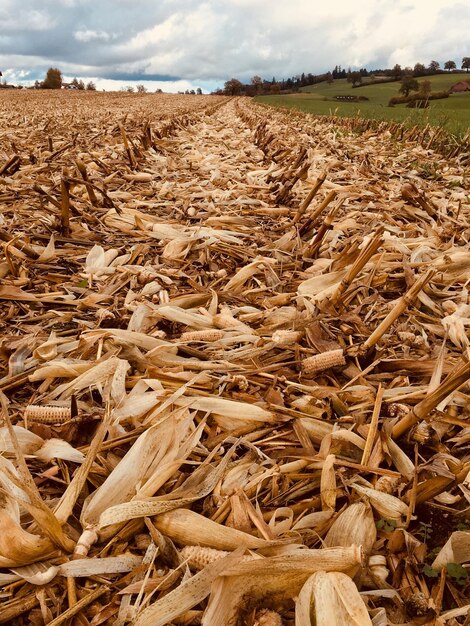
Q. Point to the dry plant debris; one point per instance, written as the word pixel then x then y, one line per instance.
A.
pixel 235 367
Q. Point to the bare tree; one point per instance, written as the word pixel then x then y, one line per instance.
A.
pixel 397 71
pixel 257 83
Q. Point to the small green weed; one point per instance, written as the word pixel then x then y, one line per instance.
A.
pixel 387 525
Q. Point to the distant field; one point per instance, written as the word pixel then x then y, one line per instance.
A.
pixel 453 113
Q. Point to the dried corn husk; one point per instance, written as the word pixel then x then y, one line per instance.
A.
pixel 143 470
pixel 353 526
pixel 197 486
pixel 281 577
pixel 330 598
pixel 187 527
pixel 386 505
pixel 187 595
pixel 19 547
pixel 455 550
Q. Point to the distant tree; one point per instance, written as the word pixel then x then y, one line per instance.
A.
pixel 77 84
pixel 355 78
pixel 425 87
pixel 199 91
pixel 158 90
pixel 434 66
pixel 329 78
pixel 257 83
pixel 450 65
pixel 37 84
pixel 91 86
pixel 275 88
pixel 419 70
pixel 192 92
pixel 338 72
pixel 397 71
pixel 129 89
pixel 53 79
pixel 233 87
pixel 408 84
pixel 141 89
pixel 466 63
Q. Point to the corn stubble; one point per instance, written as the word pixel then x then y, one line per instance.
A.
pixel 235 352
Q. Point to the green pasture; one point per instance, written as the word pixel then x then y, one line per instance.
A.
pixel 453 113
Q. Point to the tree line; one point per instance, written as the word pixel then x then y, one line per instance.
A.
pixel 55 80
pixel 259 86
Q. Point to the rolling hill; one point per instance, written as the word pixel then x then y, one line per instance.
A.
pixel 453 113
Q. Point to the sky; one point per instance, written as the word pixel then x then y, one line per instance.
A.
pixel 176 45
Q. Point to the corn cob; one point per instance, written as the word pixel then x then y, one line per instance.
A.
pixel 47 414
pixel 203 335
pixel 286 337
pixel 199 557
pixel 323 361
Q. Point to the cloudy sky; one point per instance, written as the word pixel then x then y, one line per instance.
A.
pixel 180 44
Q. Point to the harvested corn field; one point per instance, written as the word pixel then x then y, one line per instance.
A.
pixel 236 362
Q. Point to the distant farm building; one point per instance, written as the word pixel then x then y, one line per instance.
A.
pixel 459 87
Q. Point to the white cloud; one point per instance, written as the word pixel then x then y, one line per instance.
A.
pixel 90 35
pixel 173 86
pixel 11 75
pixel 14 20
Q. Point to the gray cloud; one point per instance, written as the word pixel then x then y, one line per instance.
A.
pixel 206 42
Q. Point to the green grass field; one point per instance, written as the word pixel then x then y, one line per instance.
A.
pixel 453 113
